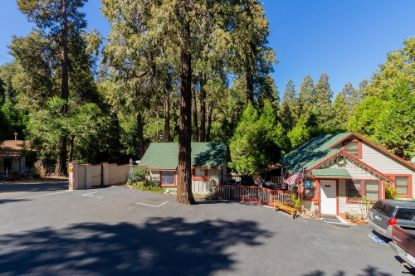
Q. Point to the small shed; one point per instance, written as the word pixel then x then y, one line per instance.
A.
pixel 208 164
pixel 12 158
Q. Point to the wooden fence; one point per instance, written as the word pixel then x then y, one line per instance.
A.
pixel 253 194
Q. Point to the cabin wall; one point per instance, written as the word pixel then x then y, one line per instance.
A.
pixel 385 164
pixel 355 171
pixel 200 185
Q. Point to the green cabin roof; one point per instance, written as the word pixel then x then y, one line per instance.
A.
pixel 165 155
pixel 312 152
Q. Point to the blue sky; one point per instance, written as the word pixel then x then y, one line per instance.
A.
pixel 347 39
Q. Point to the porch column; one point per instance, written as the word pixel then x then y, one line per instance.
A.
pixel 382 190
pixel 317 195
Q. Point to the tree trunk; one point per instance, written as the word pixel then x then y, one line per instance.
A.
pixel 195 120
pixel 140 135
pixel 60 168
pixel 176 128
pixel 184 169
pixel 209 122
pixel 71 148
pixel 166 117
pixel 202 137
pixel 249 84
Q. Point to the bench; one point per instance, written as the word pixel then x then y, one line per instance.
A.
pixel 288 209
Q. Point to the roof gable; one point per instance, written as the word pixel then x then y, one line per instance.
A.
pixel 12 147
pixel 313 151
pixel 376 147
pixel 165 155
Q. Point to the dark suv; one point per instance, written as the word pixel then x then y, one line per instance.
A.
pixel 386 213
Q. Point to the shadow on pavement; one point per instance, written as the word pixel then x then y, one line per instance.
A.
pixel 160 246
pixel 368 271
pixel 7 200
pixel 8 187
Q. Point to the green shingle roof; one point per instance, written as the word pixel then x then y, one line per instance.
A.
pixel 312 152
pixel 165 155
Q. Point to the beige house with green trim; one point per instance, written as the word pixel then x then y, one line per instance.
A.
pixel 208 165
pixel 341 169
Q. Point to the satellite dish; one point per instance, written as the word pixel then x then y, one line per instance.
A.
pixel 413 160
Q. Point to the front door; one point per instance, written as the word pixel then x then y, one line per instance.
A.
pixel 328 199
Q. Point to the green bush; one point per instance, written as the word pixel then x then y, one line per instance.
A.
pixel 296 201
pixel 148 186
pixel 138 174
pixel 390 192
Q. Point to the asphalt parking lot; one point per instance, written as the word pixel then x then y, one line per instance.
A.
pixel 114 230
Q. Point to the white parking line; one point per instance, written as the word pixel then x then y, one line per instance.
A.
pixel 154 206
pixel 90 194
pixel 32 196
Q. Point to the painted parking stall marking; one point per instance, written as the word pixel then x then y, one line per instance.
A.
pixel 48 194
pixel 154 206
pixel 91 194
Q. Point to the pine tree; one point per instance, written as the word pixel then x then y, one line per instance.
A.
pixel 258 141
pixel 289 107
pixel 341 113
pixel 353 96
pixel 306 96
pixel 304 129
pixel 52 56
pixel 252 58
pixel 322 105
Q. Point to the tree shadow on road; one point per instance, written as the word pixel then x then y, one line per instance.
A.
pixel 8 187
pixel 8 200
pixel 159 246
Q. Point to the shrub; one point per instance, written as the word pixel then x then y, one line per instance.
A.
pixel 148 186
pixel 138 174
pixel 390 192
pixel 296 201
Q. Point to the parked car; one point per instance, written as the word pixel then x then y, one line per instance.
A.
pixel 386 213
pixel 403 242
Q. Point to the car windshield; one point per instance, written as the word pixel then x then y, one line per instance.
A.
pixel 406 214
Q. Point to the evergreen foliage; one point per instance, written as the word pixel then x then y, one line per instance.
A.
pixel 258 141
pixel 187 70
